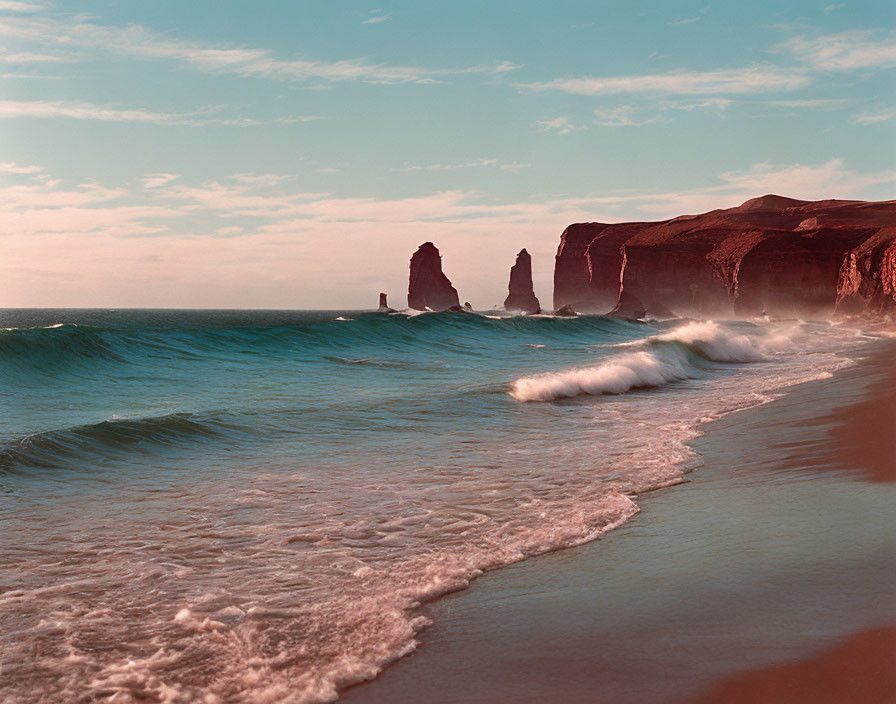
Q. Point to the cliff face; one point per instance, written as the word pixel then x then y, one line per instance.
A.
pixel 771 254
pixel 428 286
pixel 521 294
pixel 572 280
pixel 867 277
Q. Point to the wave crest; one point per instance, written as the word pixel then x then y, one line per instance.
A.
pixel 713 342
pixel 51 448
pixel 661 359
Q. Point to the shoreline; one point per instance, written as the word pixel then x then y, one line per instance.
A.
pixel 864 391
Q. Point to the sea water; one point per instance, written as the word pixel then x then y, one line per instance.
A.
pixel 213 506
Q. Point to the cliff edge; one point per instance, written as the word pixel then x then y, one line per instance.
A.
pixel 774 255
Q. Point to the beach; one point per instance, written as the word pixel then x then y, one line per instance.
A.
pixel 768 577
pixel 278 505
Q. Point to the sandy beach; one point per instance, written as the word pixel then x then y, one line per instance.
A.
pixel 768 577
pixel 864 434
pixel 861 668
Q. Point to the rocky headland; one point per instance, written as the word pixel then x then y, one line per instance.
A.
pixel 772 255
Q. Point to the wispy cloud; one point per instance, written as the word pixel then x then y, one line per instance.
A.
pixel 157 180
pixel 29 76
pixel 502 67
pixel 472 164
pixel 13 6
pixel 253 179
pixel 297 119
pixel 833 8
pixel 845 51
pixel 621 116
pixel 758 79
pixel 652 111
pixel 560 125
pixel 691 20
pixel 818 103
pixel 137 41
pixel 27 57
pixel 872 117
pixel 377 16
pixel 10 167
pixel 105 113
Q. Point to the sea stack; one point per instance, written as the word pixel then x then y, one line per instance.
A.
pixel 428 286
pixel 521 295
pixel 384 305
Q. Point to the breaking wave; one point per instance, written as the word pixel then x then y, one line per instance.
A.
pixel 682 353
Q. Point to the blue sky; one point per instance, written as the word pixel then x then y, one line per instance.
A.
pixel 294 154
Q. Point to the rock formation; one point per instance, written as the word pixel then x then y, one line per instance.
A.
pixel 429 287
pixel 566 311
pixel 780 255
pixel 867 278
pixel 384 305
pixel 586 270
pixel 521 295
pixel 628 307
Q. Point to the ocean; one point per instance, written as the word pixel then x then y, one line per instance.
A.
pixel 214 506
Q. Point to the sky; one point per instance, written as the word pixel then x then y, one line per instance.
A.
pixel 276 154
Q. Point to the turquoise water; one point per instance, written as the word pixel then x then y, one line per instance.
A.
pixel 253 504
pixel 107 384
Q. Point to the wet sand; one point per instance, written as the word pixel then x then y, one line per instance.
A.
pixel 862 670
pixel 773 568
pixel 864 434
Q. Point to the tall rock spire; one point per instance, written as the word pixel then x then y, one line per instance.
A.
pixel 521 295
pixel 428 286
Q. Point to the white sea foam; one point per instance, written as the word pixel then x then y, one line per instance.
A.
pixel 659 360
pixel 634 370
pixel 714 342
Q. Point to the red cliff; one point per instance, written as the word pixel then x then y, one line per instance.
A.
pixel 771 254
pixel 428 286
pixel 521 294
